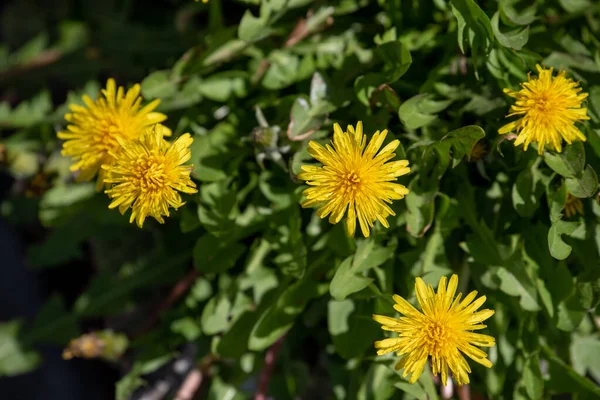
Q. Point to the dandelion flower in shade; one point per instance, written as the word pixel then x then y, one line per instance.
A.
pixel 148 174
pixel 355 178
pixel 92 137
pixel 548 108
pixel 442 331
pixel 573 206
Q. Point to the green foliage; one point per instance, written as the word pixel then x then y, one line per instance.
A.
pixel 242 270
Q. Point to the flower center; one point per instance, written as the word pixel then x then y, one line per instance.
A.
pixel 351 182
pixel 109 129
pixel 437 336
pixel 545 104
pixel 151 174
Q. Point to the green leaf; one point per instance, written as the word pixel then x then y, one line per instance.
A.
pixel 556 202
pixel 583 187
pixel 159 84
pixel 396 59
pixel 420 209
pixel 474 28
pixel 351 328
pixel 570 314
pixel 575 6
pixel 218 208
pixel 219 390
pixel 252 28
pixel 584 352
pixel 420 110
pixel 522 17
pixel 289 246
pixel 569 163
pixel 211 155
pixel 346 281
pixel 558 248
pixel 518 286
pixel 186 327
pixel 62 201
pixel 224 85
pixel 215 315
pixel 14 359
pixel 370 255
pixel 532 378
pixel 283 70
pixel 459 143
pixel 303 119
pixel 27 113
pixel 515 39
pixel 280 317
pixel 564 379
pixel 527 191
pixel 214 255
pixel 125 387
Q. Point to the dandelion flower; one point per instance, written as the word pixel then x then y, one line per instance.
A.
pixel 443 331
pixel 92 137
pixel 549 107
pixel 573 206
pixel 354 178
pixel 148 175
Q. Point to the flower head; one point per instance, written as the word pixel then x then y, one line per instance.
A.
pixel 354 178
pixel 573 206
pixel 92 137
pixel 549 107
pixel 147 175
pixel 443 330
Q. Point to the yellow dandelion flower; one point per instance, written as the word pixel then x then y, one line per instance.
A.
pixel 443 330
pixel 573 206
pixel 354 177
pixel 148 175
pixel 94 130
pixel 549 107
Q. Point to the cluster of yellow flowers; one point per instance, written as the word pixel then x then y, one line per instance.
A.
pixel 358 179
pixel 124 146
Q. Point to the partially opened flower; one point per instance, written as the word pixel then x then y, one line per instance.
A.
pixel 92 137
pixel 442 331
pixel 148 174
pixel 548 108
pixel 355 178
pixel 573 206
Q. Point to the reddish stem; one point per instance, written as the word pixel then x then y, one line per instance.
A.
pixel 265 374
